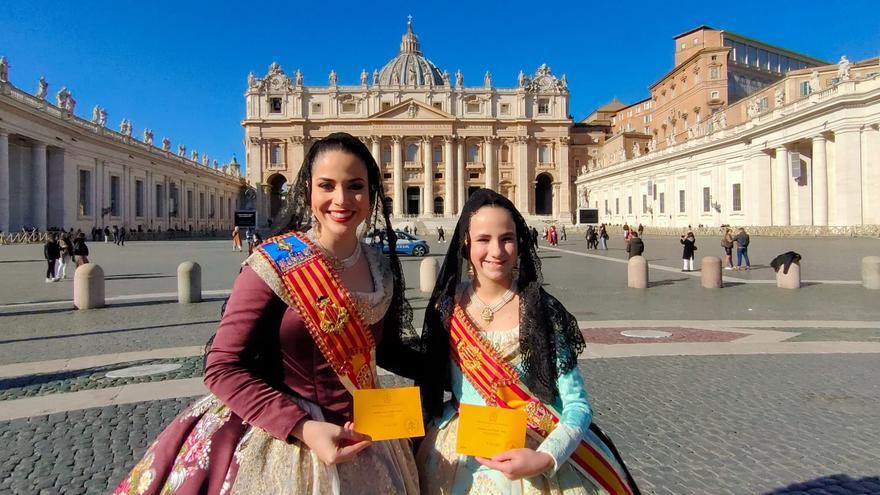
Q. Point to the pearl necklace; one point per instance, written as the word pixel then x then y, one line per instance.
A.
pixel 342 264
pixel 487 312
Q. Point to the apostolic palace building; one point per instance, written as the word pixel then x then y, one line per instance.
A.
pixel 738 132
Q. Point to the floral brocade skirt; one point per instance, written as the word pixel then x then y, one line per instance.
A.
pixel 443 471
pixel 207 449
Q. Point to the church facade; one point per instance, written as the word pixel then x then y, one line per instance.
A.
pixel 435 139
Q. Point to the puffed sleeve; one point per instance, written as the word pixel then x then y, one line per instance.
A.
pixel 251 310
pixel 574 423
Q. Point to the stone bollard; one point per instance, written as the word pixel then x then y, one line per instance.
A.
pixel 871 272
pixel 88 286
pixel 710 272
pixel 427 275
pixel 637 273
pixel 189 282
pixel 790 280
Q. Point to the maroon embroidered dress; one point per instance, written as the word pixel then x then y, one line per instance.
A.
pixel 266 374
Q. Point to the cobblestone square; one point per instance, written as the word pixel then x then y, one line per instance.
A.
pixel 749 389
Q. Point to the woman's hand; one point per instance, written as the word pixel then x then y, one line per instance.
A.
pixel 518 463
pixel 332 444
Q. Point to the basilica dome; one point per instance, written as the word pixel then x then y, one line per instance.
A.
pixel 410 67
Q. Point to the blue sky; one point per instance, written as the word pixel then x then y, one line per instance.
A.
pixel 181 68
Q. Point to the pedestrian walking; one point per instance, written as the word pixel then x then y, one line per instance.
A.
pixel 116 235
pixel 589 237
pixel 535 239
pixel 120 237
pixel 66 256
pixel 441 236
pixel 603 238
pixel 415 230
pixel 106 234
pixel 564 235
pixel 80 250
pixel 51 252
pixel 742 249
pixel 727 244
pixel 236 239
pixel 689 245
pixel 635 246
pixel 641 230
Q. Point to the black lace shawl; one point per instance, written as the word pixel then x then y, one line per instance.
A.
pixel 549 337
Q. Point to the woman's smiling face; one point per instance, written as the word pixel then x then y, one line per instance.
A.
pixel 493 249
pixel 340 192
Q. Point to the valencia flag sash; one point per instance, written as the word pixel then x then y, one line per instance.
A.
pixel 302 276
pixel 500 386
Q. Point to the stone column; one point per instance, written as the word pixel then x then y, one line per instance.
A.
pixel 4 181
pixel 564 180
pixel 39 183
pixel 820 182
pixel 781 200
pixel 491 181
pixel 848 176
pixel 460 192
pixel 428 177
pixel 397 161
pixel 69 189
pixel 377 150
pixel 523 183
pixel 448 176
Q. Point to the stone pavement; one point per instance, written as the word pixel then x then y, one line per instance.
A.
pixel 754 390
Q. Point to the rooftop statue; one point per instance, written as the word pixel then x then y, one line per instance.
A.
pixel 42 88
pixel 148 137
pixel 4 70
pixel 166 144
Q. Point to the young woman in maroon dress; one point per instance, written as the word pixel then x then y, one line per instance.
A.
pixel 278 419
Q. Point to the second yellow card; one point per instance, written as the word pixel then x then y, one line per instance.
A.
pixel 487 431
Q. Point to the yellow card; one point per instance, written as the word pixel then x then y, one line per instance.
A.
pixel 487 431
pixel 389 413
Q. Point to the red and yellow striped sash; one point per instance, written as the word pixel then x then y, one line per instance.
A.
pixel 302 277
pixel 500 386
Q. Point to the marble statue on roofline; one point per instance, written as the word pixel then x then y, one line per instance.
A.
pixel 487 80
pixel 521 79
pixel 96 113
pixel 4 70
pixel 298 78
pixel 364 77
pixel 332 77
pixel 779 97
pixel 166 144
pixel 181 150
pixel 71 103
pixel 446 77
pixel 148 136
pixel 61 98
pixel 205 159
pixel 194 155
pixel 815 86
pixel 102 117
pixel 843 68
pixel 42 88
pixel 375 77
pixel 459 78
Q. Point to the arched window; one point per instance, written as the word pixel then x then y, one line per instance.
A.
pixel 386 154
pixel 412 152
pixel 473 153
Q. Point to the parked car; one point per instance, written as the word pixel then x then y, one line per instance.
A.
pixel 406 244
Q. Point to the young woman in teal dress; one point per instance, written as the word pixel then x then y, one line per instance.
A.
pixel 494 337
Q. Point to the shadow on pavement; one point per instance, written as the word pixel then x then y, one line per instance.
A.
pixel 839 484
pixel 104 332
pixel 22 261
pixel 134 276
pixel 667 282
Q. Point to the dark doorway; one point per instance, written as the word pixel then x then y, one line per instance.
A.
pixel 544 195
pixel 438 205
pixel 413 200
pixel 277 195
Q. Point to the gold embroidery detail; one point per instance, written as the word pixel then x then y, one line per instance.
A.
pixel 333 317
pixel 283 245
pixel 468 354
pixel 539 417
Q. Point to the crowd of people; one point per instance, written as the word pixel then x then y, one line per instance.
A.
pixel 60 250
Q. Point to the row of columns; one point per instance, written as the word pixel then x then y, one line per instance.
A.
pixel 454 173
